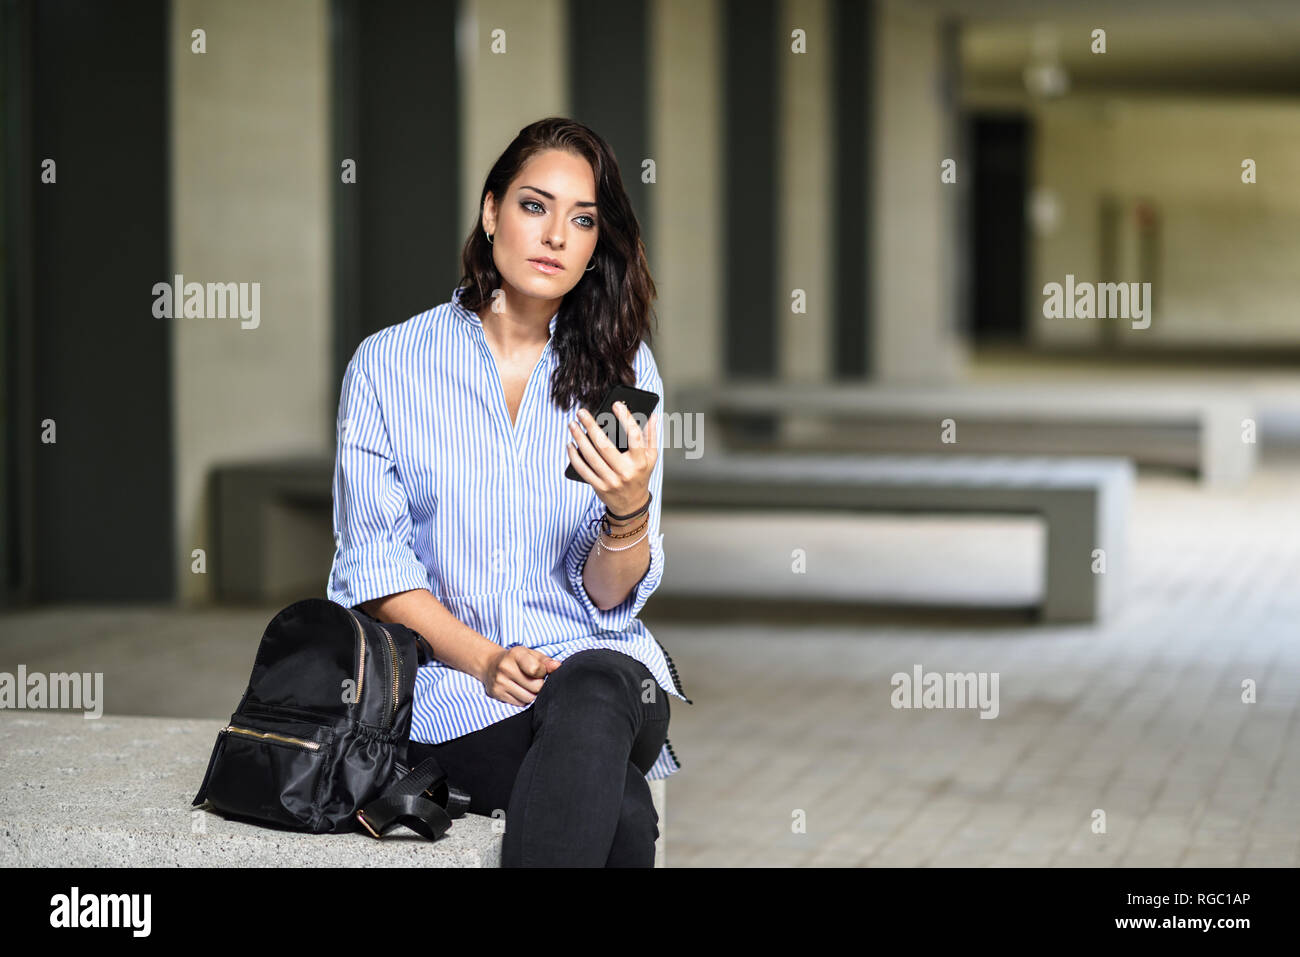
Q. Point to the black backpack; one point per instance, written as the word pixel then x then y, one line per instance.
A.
pixel 318 742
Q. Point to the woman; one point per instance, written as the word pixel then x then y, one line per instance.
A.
pixel 548 699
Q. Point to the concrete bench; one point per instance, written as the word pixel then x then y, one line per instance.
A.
pixel 116 791
pixel 272 530
pixel 1164 426
pixel 1083 502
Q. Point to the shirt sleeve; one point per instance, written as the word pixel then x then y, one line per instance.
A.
pixel 619 617
pixel 372 519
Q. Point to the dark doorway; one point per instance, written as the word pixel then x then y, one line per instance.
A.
pixel 89 516
pixel 999 239
pixel 397 229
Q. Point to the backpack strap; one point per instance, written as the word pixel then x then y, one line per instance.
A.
pixel 424 648
pixel 422 800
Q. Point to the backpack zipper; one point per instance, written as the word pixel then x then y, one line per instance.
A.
pixel 299 742
pixel 397 676
pixel 361 653
pixel 361 666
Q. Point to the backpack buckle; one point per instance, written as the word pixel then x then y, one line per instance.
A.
pixel 361 816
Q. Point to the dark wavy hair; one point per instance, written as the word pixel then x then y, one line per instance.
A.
pixel 603 319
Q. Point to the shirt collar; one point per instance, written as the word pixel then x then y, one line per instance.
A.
pixel 472 317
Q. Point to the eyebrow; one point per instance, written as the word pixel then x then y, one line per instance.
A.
pixel 549 196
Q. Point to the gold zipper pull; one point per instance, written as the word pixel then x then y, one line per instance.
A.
pixel 300 742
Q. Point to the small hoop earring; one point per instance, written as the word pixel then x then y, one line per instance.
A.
pixel 489 236
pixel 591 267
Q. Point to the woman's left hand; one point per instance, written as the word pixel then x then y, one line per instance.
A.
pixel 621 479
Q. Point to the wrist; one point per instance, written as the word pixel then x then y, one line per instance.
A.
pixel 628 514
pixel 630 542
pixel 625 523
pixel 487 653
pixel 623 534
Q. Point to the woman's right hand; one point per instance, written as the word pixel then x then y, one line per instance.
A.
pixel 516 674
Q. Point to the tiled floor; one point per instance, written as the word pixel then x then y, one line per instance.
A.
pixel 793 754
pixel 1141 719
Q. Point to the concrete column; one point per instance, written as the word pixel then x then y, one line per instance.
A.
pixel 502 92
pixel 250 204
pixel 913 319
pixel 806 106
pixel 685 256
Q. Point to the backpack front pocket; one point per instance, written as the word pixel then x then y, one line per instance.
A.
pixel 271 768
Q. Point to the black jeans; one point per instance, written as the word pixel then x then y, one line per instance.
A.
pixel 569 770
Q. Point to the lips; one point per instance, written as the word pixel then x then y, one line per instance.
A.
pixel 546 262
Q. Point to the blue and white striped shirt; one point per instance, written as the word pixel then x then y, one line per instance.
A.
pixel 435 488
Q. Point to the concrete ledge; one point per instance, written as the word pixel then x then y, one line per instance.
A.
pixel 1168 425
pixel 116 792
pixel 1084 503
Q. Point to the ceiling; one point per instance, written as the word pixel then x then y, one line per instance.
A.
pixel 1152 46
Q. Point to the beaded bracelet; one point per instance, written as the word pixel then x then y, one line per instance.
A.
pixel 621 548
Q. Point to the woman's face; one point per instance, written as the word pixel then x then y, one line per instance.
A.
pixel 547 213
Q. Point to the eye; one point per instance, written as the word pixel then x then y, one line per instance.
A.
pixel 527 203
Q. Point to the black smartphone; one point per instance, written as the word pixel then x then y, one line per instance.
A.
pixel 638 401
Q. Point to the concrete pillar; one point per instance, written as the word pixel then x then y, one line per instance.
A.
pixel 502 92
pixel 685 137
pixel 250 204
pixel 914 334
pixel 807 103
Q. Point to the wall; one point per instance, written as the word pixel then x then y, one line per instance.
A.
pixel 504 92
pixel 1226 269
pixel 685 255
pixel 807 103
pixel 914 332
pixel 249 167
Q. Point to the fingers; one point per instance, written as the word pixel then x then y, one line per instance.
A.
pixel 602 457
pixel 590 452
pixel 583 469
pixel 652 439
pixel 527 682
pixel 543 664
pixel 529 668
pixel 511 693
pixel 532 664
pixel 515 682
pixel 635 440
pixel 648 440
pixel 642 446
pixel 517 685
